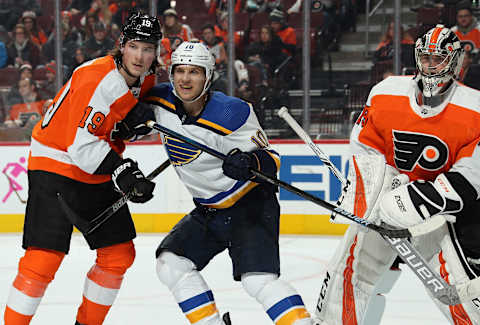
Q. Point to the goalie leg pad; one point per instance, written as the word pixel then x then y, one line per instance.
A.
pixel 189 289
pixel 376 305
pixel 353 277
pixel 448 263
pixel 370 177
pixel 280 300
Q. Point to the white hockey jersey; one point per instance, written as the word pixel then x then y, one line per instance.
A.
pixel 224 124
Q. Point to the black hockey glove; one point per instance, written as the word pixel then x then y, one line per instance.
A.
pixel 128 178
pixel 133 125
pixel 237 165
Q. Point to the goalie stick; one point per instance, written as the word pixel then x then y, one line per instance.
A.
pixel 283 113
pixel 439 288
pixel 432 224
pixel 87 227
pixel 394 233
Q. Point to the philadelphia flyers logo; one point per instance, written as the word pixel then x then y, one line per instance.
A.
pixel 412 149
pixel 179 152
pixel 467 45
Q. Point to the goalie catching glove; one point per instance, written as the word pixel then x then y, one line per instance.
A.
pixel 129 179
pixel 417 201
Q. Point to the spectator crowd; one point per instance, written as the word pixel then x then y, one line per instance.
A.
pixel 266 39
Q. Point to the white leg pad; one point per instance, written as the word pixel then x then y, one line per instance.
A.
pixel 447 263
pixel 353 277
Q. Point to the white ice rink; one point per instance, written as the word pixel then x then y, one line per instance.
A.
pixel 143 300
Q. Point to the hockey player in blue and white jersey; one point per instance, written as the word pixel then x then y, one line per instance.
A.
pixel 233 211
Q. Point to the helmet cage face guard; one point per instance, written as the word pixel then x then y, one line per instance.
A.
pixel 439 57
pixel 197 54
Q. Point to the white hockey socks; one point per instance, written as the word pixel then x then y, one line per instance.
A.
pixel 189 289
pixel 279 300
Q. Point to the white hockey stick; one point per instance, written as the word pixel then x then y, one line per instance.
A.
pixel 283 113
pixel 438 287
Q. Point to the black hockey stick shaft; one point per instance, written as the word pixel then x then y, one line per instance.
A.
pixel 108 212
pixel 438 287
pixel 396 238
pixel 393 233
pixel 87 227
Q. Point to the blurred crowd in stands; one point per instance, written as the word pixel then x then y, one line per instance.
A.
pixel 268 36
pixel 459 15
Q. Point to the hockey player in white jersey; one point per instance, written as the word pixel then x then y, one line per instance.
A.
pixel 233 211
pixel 420 133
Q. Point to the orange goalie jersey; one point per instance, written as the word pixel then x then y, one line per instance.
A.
pixel 421 141
pixel 73 138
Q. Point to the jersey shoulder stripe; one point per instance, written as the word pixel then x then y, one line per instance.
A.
pixel 224 114
pixel 162 95
pixel 391 86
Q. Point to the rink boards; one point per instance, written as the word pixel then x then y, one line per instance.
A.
pixel 171 201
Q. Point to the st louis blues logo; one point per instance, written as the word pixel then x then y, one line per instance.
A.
pixel 179 152
pixel 412 149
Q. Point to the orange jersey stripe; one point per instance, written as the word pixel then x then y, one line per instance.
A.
pixel 67 170
pixel 78 125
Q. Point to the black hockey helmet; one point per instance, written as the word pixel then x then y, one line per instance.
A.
pixel 141 27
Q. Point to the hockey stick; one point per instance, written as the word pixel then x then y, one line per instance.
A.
pixel 418 230
pixel 439 288
pixel 444 292
pixel 394 233
pixel 87 227
pixel 283 113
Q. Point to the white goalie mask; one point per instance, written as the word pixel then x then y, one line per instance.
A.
pixel 193 53
pixel 439 57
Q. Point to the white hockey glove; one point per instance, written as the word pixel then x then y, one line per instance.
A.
pixel 417 201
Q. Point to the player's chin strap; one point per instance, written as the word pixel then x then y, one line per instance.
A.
pixel 446 293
